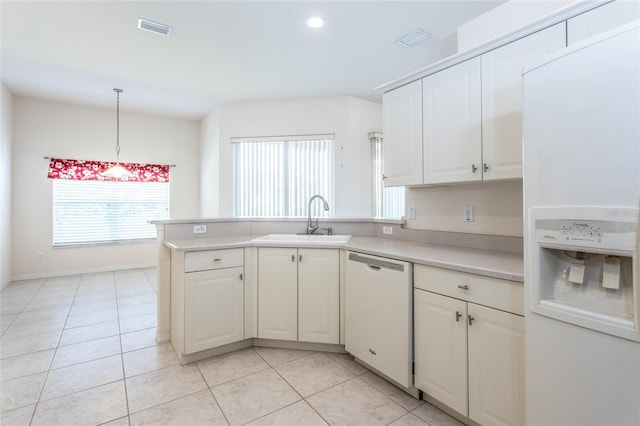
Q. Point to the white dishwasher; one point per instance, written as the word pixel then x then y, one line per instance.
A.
pixel 378 311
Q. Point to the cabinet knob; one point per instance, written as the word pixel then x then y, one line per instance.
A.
pixel 473 168
pixel 458 315
pixel 241 276
pixel 384 177
pixel 217 259
pixel 463 287
pixel 293 257
pixel 300 258
pixel 471 319
pixel 372 352
pixel 485 167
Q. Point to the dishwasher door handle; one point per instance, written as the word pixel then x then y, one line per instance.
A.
pixel 376 263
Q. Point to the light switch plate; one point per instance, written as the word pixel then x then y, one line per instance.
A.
pixel 388 230
pixel 411 214
pixel 468 213
pixel 199 229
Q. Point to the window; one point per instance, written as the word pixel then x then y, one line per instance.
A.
pixel 91 208
pixel 387 202
pixel 276 176
pixel 99 212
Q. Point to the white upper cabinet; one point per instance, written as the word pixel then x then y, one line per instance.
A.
pixel 602 19
pixel 452 146
pixel 402 126
pixel 502 100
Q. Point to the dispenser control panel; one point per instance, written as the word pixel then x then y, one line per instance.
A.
pixel 587 233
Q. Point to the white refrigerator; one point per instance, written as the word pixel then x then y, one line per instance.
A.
pixel 581 148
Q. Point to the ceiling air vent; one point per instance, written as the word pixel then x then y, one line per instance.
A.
pixel 413 38
pixel 154 27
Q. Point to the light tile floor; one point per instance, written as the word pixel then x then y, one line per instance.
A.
pixel 81 350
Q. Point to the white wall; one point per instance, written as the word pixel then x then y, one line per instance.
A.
pixel 497 208
pixel 5 186
pixel 350 119
pixel 45 128
pixel 504 19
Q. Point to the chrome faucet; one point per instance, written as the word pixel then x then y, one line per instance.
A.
pixel 311 228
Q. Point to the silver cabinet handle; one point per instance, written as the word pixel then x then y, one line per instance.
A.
pixel 217 259
pixel 485 167
pixel 463 287
pixel 241 276
pixel 473 168
pixel 300 258
pixel 458 315
pixel 471 319
pixel 293 257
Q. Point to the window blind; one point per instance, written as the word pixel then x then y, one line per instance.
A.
pixel 388 202
pixel 102 212
pixel 277 178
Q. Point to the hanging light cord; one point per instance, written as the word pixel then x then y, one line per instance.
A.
pixel 118 91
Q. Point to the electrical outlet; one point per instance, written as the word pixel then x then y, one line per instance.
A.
pixel 39 256
pixel 411 212
pixel 468 213
pixel 199 229
pixel 388 230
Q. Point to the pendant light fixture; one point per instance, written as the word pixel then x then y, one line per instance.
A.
pixel 117 171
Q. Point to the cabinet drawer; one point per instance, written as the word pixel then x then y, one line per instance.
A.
pixel 495 293
pixel 213 259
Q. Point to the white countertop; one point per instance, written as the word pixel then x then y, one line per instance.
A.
pixel 496 264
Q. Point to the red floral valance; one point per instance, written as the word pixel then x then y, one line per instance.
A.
pixel 93 170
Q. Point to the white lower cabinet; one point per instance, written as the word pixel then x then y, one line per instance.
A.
pixel 216 308
pixel 468 356
pixel 299 294
pixel 277 293
pixel 496 366
pixel 441 348
pixel 207 299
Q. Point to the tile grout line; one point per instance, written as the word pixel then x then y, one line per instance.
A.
pixel 211 392
pixel 35 408
pixel 124 374
pixel 57 346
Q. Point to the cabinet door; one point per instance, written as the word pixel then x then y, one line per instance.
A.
pixel 277 293
pixel 452 146
pixel 502 100
pixel 318 296
pixel 601 19
pixel 214 309
pixel 440 325
pixel 496 367
pixel 402 125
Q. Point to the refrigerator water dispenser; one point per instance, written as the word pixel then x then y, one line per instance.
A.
pixel 584 265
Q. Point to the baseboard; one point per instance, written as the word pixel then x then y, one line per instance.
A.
pixel 53 274
pixel 450 411
pixel 163 336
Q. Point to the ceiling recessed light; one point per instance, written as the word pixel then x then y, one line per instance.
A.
pixel 315 22
pixel 154 27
